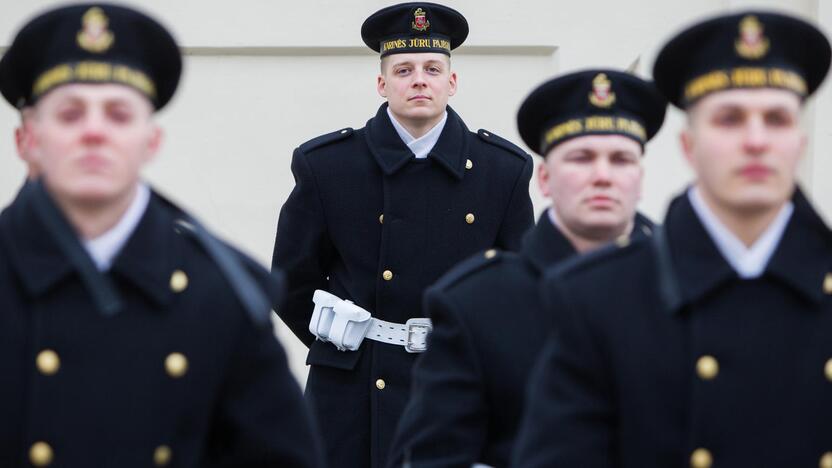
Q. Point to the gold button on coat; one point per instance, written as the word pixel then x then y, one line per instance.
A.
pixel 468 164
pixel 162 455
pixel 387 275
pixel 622 241
pixel 701 458
pixel 380 384
pixel 381 218
pixel 826 460
pixel 490 253
pixel 469 218
pixel 176 365
pixel 828 370
pixel 40 454
pixel 48 362
pixel 827 284
pixel 178 281
pixel 707 367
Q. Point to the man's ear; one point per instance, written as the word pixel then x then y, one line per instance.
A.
pixel 543 178
pixel 686 141
pixel 154 143
pixel 381 86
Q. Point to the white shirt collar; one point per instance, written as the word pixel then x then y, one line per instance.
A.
pixel 749 263
pixel 105 247
pixel 419 146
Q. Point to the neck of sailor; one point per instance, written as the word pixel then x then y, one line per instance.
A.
pixel 418 127
pixel 587 241
pixel 91 220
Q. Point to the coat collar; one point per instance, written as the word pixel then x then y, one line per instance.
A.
pixel 32 251
pixel 146 260
pixel 544 244
pixel 149 257
pixel 801 260
pixel 392 154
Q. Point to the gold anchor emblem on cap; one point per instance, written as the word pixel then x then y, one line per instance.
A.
pixel 94 35
pixel 601 96
pixel 752 44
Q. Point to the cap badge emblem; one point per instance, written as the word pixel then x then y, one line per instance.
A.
pixel 601 95
pixel 94 35
pixel 420 20
pixel 752 44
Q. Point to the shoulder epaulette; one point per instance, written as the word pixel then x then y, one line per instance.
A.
pixel 575 263
pixel 501 142
pixel 469 266
pixel 324 140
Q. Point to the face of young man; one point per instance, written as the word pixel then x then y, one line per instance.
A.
pixel 594 183
pixel 744 146
pixel 90 141
pixel 417 86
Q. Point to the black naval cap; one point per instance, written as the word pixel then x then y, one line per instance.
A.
pixel 414 27
pixel 90 43
pixel 590 102
pixel 752 49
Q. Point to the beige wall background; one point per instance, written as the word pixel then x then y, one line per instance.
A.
pixel 263 76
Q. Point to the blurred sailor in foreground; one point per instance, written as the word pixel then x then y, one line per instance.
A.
pixel 129 336
pixel 590 127
pixel 709 344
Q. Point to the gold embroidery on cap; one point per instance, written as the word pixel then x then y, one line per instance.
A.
pixel 420 20
pixel 601 96
pixel 594 124
pixel 752 44
pixel 745 77
pixel 93 72
pixel 94 35
pixel 415 43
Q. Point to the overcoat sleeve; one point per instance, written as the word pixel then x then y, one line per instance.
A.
pixel 302 248
pixel 569 415
pixel 445 420
pixel 261 418
pixel 519 216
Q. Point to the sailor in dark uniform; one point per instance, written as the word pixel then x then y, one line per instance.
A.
pixel 710 344
pixel 377 215
pixel 129 336
pixel 488 324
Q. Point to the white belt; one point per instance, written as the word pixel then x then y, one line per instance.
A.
pixel 345 325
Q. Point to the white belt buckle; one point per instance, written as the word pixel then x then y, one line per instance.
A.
pixel 418 330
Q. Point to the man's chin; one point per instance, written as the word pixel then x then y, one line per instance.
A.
pixel 89 194
pixel 757 200
pixel 604 227
pixel 425 112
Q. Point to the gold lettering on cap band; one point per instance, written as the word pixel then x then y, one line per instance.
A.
pixel 594 124
pixel 745 77
pixel 415 43
pixel 93 72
